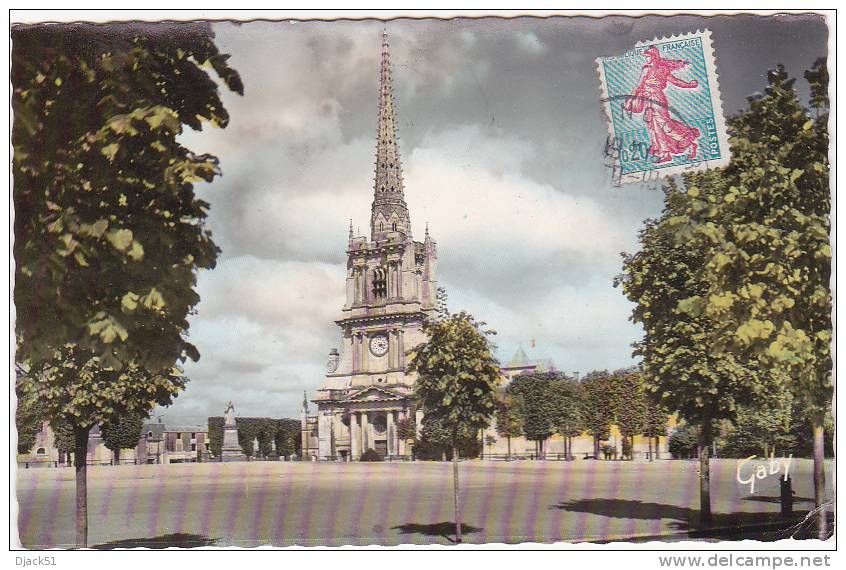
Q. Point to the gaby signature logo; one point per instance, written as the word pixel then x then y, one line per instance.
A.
pixel 762 470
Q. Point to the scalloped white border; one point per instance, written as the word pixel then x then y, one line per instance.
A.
pixel 716 106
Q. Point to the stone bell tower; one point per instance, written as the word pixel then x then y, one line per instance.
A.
pixel 391 286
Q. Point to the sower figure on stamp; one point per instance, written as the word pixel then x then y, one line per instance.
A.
pixel 667 135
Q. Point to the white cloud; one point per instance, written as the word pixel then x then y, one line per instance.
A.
pixel 530 42
pixel 532 255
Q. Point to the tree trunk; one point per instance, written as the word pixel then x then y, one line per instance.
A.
pixel 116 454
pixel 596 447
pixel 649 443
pixel 657 446
pixel 704 476
pixel 80 455
pixel 508 457
pixel 819 480
pixel 456 498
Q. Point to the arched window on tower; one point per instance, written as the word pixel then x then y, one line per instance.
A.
pixel 381 226
pixel 380 283
pixel 394 226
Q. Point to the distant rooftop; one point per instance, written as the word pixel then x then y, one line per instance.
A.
pixel 522 360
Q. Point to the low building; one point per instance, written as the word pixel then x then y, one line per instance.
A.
pixel 186 444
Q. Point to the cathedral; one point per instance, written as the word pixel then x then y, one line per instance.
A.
pixel 391 286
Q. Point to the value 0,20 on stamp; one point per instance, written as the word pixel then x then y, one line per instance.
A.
pixel 663 106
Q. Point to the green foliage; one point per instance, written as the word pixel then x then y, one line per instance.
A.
pixel 627 447
pixel 457 375
pixel 75 389
pixel 764 225
pixel 509 415
pixel 251 430
pixel 284 433
pixel 780 424
pixel 597 408
pixel 628 403
pixel 122 432
pixel 288 437
pixel 654 418
pixel 436 441
pixel 567 400
pixel 216 424
pixel 370 455
pixel 683 442
pixel 108 231
pixel 537 404
pixel 29 415
pixel 63 436
pixel 732 283
pixel 407 427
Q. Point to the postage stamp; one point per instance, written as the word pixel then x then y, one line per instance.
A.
pixel 663 107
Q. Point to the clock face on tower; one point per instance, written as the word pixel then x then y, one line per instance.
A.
pixel 379 344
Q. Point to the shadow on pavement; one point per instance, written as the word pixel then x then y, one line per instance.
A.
pixel 777 500
pixel 725 526
pixel 443 529
pixel 178 540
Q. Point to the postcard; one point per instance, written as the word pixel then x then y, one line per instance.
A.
pixel 358 282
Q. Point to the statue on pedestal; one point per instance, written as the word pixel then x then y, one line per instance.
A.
pixel 231 449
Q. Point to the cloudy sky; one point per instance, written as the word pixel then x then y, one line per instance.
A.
pixel 501 134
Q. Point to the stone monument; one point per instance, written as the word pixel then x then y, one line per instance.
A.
pixel 231 450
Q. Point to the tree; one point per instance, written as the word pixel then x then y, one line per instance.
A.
pixel 122 432
pixel 457 377
pixel 64 439
pixel 436 441
pixel 490 441
pixel 567 397
pixel 596 410
pixel 108 230
pixel 538 405
pixel 628 405
pixel 764 428
pixel 407 429
pixel 763 225
pixel 287 437
pixel 684 441
pixel 509 417
pixel 654 423
pixel 29 414
pixel 216 424
pixel 732 282
pixel 77 392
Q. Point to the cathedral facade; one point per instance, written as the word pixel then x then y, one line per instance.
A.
pixel 391 290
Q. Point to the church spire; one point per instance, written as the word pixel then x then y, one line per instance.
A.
pixel 389 212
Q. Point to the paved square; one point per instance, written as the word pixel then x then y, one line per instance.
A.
pixel 250 504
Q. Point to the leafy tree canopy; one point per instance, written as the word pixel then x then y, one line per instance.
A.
pixel 597 410
pixel 75 390
pixel 457 374
pixel 123 432
pixel 108 230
